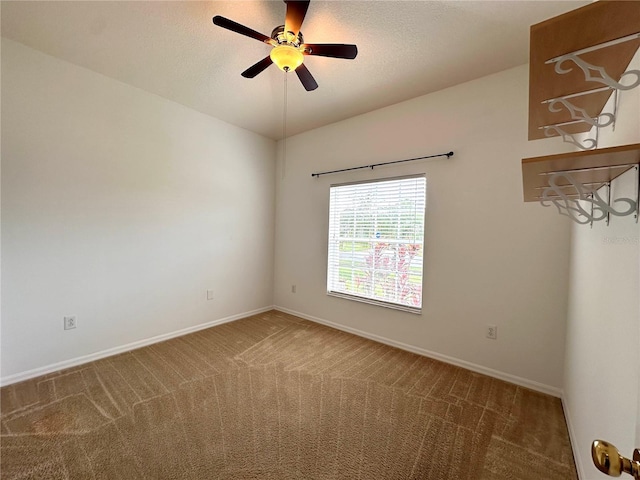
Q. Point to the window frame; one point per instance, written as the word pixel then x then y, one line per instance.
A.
pixel 365 299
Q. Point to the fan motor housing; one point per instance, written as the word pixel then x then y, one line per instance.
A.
pixel 282 37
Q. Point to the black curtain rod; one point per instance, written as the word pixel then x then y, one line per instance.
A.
pixel 450 154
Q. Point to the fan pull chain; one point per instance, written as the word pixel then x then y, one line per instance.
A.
pixel 284 129
pixel 284 114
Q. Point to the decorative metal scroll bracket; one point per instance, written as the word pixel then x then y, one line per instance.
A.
pixel 599 73
pixel 592 73
pixel 602 120
pixel 569 204
pixel 580 115
pixel 555 130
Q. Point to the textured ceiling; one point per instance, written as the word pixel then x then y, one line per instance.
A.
pixel 406 49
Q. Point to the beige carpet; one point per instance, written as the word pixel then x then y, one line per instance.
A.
pixel 277 397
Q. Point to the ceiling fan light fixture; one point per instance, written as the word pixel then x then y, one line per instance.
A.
pixel 288 47
pixel 286 57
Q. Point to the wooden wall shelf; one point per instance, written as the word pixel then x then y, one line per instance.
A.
pixel 584 27
pixel 593 167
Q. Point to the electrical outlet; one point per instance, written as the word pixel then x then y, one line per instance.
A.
pixel 70 322
pixel 209 294
pixel 492 332
pixel 293 289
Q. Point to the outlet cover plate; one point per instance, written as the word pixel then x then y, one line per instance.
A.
pixel 492 332
pixel 70 322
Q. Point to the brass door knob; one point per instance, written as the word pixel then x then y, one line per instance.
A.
pixel 607 459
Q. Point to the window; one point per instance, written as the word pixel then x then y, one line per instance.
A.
pixel 376 242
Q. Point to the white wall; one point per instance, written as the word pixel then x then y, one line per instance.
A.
pixel 490 258
pixel 602 367
pixel 122 208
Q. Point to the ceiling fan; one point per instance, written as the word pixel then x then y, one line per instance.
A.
pixel 288 45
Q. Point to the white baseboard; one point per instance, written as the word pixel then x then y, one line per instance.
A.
pixel 507 377
pixel 19 377
pixel 577 457
pixel 36 372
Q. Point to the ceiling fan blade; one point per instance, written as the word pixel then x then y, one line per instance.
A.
pixel 296 10
pixel 254 70
pixel 241 29
pixel 306 78
pixel 335 50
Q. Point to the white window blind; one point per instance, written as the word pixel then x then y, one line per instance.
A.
pixel 376 241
